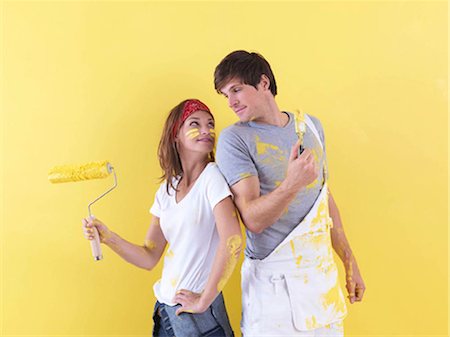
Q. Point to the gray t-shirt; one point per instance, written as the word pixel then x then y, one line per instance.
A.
pixel 252 149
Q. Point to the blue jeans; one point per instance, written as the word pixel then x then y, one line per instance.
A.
pixel 213 322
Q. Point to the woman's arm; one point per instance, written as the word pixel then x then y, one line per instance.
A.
pixel 146 256
pixel 226 258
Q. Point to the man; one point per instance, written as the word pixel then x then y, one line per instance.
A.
pixel 289 278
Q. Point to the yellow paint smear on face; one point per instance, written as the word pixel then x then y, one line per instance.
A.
pixel 234 214
pixel 234 247
pixel 298 259
pixel 149 244
pixel 212 132
pixel 191 134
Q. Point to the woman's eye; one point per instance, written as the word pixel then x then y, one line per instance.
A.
pixel 193 123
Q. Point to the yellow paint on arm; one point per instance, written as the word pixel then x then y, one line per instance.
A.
pixel 234 247
pixel 149 244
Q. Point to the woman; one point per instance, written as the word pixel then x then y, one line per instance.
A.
pixel 193 212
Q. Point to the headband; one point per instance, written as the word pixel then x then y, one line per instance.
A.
pixel 189 108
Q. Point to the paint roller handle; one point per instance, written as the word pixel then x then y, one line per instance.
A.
pixel 95 242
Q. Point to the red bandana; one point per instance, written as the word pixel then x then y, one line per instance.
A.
pixel 189 108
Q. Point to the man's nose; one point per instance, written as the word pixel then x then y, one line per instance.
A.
pixel 231 101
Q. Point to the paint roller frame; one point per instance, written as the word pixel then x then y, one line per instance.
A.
pixel 67 174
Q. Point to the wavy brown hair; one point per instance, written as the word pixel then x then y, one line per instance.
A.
pixel 169 159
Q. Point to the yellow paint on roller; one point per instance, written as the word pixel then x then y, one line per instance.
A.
pixel 191 134
pixel 234 247
pixel 72 173
pixel 149 244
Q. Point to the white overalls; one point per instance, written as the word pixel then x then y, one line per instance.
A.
pixel 295 289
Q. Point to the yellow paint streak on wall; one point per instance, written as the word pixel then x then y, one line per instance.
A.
pixel 191 134
pixel 234 247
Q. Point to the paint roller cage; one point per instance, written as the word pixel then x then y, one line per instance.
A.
pixel 74 173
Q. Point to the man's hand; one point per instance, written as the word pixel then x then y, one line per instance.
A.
pixel 355 284
pixel 302 170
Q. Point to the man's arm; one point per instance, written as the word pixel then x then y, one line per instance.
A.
pixel 261 211
pixel 354 282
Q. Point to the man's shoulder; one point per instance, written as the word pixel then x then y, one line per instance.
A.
pixel 236 130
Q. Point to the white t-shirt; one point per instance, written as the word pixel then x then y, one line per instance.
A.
pixel 189 228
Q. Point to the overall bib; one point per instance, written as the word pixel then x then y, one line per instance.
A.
pixel 296 287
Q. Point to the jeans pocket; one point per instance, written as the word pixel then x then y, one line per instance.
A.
pixel 214 332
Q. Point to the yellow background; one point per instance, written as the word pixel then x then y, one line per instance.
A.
pixel 90 81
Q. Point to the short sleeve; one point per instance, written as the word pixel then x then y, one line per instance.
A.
pixel 233 157
pixel 216 187
pixel 156 207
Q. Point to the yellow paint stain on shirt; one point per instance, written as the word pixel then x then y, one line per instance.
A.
pixel 262 148
pixel 149 244
pixel 311 322
pixel 174 282
pixel 277 183
pixel 333 298
pixel 191 134
pixel 322 213
pixel 234 247
pixel 245 175
pixel 298 259
pixel 169 253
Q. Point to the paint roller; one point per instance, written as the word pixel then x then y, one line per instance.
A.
pixel 74 173
pixel 300 129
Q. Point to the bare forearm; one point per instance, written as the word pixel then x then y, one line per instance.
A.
pixel 224 263
pixel 338 238
pixel 141 256
pixel 262 212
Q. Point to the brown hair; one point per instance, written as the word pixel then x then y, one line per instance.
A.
pixel 246 66
pixel 169 159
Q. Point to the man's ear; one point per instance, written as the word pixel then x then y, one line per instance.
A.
pixel 264 82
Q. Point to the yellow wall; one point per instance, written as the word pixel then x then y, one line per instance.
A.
pixel 89 81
